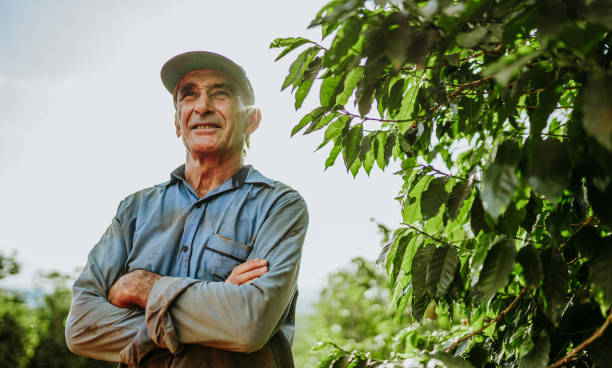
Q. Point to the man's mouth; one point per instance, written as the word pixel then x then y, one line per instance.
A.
pixel 204 126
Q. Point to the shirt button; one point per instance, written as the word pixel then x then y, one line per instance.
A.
pixel 185 248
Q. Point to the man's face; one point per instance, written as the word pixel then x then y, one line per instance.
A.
pixel 208 117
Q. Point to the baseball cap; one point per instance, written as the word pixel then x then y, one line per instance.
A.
pixel 177 67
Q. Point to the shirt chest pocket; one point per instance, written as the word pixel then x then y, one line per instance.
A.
pixel 221 255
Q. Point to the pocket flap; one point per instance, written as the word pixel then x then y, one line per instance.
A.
pixel 229 247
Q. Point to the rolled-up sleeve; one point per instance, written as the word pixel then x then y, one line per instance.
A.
pixel 231 317
pixel 96 328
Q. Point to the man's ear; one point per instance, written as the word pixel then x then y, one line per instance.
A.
pixel 253 121
pixel 177 126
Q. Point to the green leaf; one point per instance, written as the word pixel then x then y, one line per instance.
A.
pixel 533 271
pixel 329 86
pixel 389 144
pixel 556 281
pixel 471 39
pixel 549 171
pixel 380 149
pixel 538 357
pixel 601 274
pixel 350 83
pixel 441 270
pixel 420 265
pixel 461 190
pixel 398 257
pixel 352 145
pixel 532 210
pixel 290 44
pixel 395 95
pixel 495 270
pixel 346 37
pixel 295 68
pixel 320 123
pixel 547 101
pixel 368 160
pixel 313 115
pixel 335 129
pixel 508 153
pixel 477 217
pixel 598 109
pixel 312 70
pixel 434 197
pixel 301 93
pixel 333 154
pixel 498 185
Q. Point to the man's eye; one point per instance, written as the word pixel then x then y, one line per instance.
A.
pixel 220 93
pixel 187 94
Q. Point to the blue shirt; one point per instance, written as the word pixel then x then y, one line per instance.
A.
pixel 194 243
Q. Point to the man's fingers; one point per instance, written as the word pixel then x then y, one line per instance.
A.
pixel 246 277
pixel 249 265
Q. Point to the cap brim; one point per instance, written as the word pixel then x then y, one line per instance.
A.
pixel 176 68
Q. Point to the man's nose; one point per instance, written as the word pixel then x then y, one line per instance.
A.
pixel 204 105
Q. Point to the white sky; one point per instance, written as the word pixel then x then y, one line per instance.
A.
pixel 85 121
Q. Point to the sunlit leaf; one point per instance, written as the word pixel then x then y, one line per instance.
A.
pixel 352 145
pixel 296 67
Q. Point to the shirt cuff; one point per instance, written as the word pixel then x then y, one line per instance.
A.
pixel 157 319
pixel 133 354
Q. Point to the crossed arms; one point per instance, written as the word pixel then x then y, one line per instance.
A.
pixel 236 315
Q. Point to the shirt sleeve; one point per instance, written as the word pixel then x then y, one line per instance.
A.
pixel 231 317
pixel 95 328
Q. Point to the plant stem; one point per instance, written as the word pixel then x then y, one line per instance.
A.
pixel 586 342
pixel 494 320
pixel 435 238
pixel 446 174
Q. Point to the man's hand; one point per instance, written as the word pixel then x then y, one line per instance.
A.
pixel 247 271
pixel 132 289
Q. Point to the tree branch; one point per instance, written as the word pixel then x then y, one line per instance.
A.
pixel 586 342
pixel 494 320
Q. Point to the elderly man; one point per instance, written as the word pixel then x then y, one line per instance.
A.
pixel 199 271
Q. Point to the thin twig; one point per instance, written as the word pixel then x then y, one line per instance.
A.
pixel 494 320
pixel 316 44
pixel 435 238
pixel 345 112
pixel 586 342
pixel 446 174
pixel 585 223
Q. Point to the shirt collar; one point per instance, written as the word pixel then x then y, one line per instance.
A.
pixel 246 174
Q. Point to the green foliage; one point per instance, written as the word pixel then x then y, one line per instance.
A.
pixel 499 113
pixel 32 334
